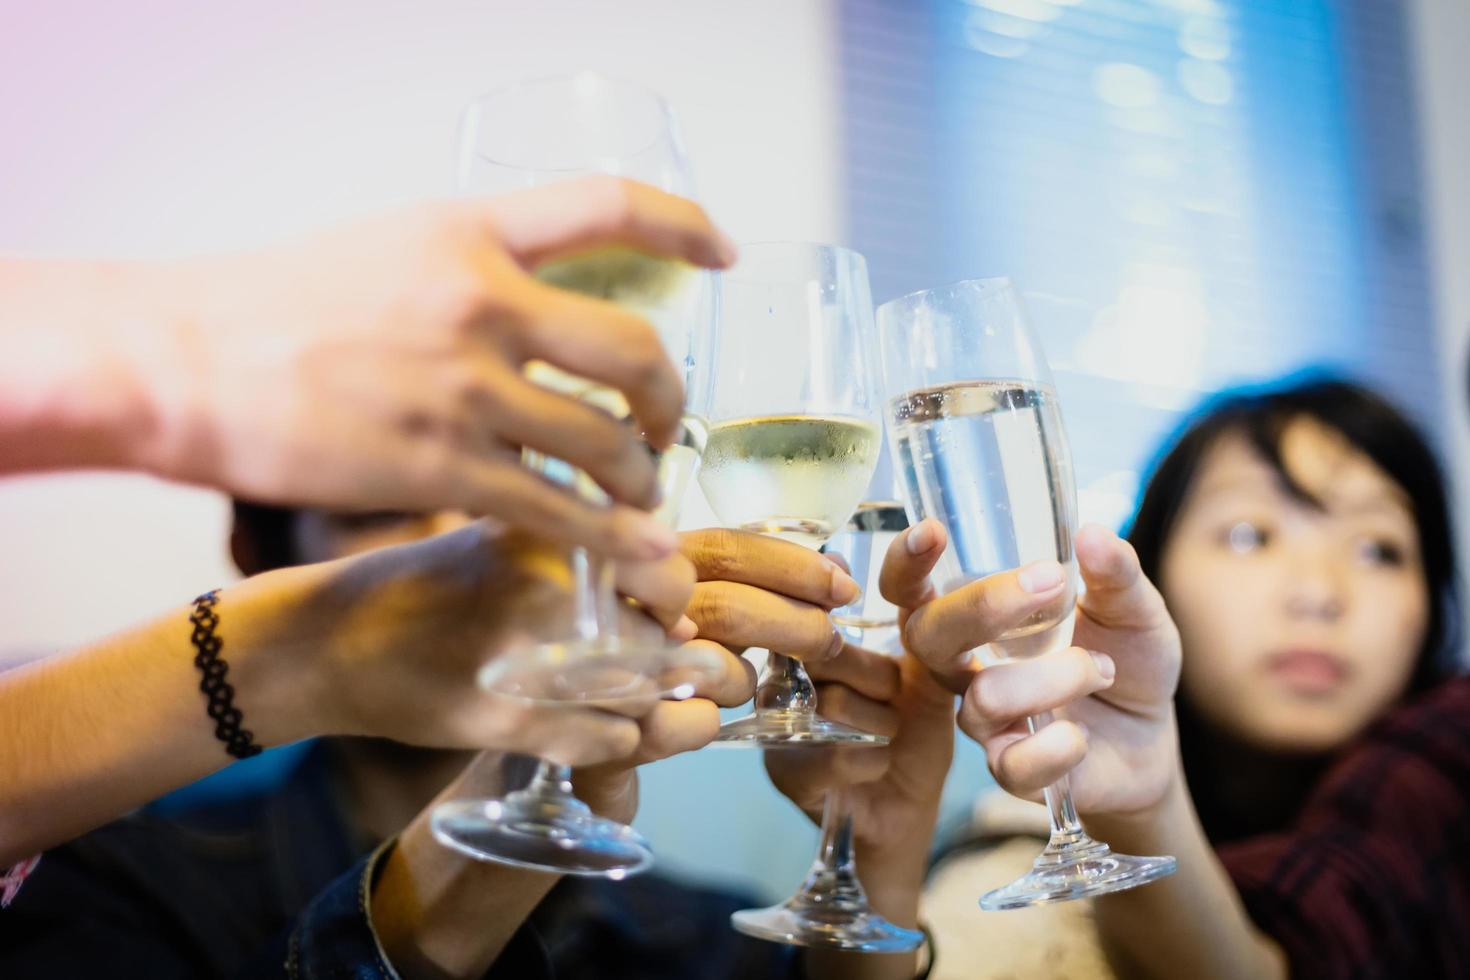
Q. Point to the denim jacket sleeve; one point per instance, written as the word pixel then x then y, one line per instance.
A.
pixel 334 939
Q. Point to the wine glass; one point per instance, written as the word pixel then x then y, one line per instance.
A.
pixel 793 435
pixel 830 909
pixel 976 434
pixel 530 133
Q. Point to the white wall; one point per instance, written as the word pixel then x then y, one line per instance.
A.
pixel 153 129
pixel 172 127
pixel 1441 37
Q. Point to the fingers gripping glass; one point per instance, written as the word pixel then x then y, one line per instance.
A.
pixel 977 438
pixel 793 434
pixel 536 132
pixel 830 909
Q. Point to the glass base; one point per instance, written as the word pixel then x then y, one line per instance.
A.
pixel 1077 868
pixel 790 729
pixel 598 675
pixel 798 923
pixel 529 830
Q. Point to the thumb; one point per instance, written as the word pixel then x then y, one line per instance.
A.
pixel 1119 596
pixel 904 579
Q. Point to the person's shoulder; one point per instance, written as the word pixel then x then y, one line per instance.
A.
pixel 1410 771
pixel 1435 726
pixel 1452 696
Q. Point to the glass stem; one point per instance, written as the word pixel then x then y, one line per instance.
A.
pixel 832 885
pixel 835 851
pixel 594 598
pixel 551 781
pixel 785 687
pixel 1066 827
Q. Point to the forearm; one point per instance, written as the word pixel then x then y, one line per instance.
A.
pixel 441 915
pixel 88 736
pixel 1190 924
pixel 93 364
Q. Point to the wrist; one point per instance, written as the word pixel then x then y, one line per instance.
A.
pixel 438 913
pixel 276 657
pixel 174 372
pixel 1148 829
pixel 893 877
pixel 76 343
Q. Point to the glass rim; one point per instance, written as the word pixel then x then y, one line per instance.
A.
pixel 500 91
pixel 846 253
pixel 992 283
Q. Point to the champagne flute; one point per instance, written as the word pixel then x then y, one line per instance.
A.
pixel 976 433
pixel 530 133
pixel 830 909
pixel 793 435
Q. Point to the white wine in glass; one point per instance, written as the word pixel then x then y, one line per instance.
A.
pixel 793 435
pixel 531 133
pixel 797 477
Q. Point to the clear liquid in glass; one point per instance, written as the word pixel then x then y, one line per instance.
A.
pixel 989 460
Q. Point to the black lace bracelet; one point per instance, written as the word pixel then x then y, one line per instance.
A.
pixel 239 742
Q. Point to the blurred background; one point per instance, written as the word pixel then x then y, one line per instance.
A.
pixel 1193 193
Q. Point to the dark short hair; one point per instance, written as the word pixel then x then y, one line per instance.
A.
pixel 1260 415
pixel 271 531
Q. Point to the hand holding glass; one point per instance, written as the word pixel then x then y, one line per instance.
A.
pixel 538 132
pixel 977 437
pixel 793 434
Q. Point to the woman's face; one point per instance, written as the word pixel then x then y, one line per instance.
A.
pixel 1301 624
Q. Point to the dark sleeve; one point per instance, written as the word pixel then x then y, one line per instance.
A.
pixel 1374 879
pixel 334 939
pixel 75 918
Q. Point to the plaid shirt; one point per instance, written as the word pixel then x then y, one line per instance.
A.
pixel 1374 878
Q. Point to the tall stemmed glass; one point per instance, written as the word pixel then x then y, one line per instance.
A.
pixel 976 434
pixel 830 909
pixel 793 434
pixel 530 133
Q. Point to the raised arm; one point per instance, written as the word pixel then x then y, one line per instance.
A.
pixel 375 367
pixel 1114 732
pixel 387 643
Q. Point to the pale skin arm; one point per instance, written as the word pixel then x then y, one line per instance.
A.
pixel 87 350
pixel 379 366
pixel 336 648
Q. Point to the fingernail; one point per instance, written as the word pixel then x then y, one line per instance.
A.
pixel 834 647
pixel 920 539
pixel 1040 576
pixel 684 630
pixel 1105 665
pixel 652 539
pixel 845 589
pixel 725 249
pixel 1086 732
